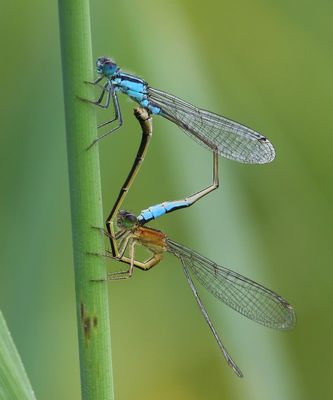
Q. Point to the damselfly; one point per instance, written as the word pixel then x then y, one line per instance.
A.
pixel 229 138
pixel 249 298
pixel 242 294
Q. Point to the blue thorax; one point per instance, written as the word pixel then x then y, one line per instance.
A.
pixel 136 88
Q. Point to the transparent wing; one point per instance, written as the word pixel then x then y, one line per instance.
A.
pixel 231 139
pixel 227 356
pixel 242 294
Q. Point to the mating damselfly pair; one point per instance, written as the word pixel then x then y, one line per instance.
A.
pixel 223 137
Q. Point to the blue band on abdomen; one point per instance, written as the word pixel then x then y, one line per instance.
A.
pixel 158 210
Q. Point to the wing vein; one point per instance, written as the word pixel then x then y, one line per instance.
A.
pixel 231 139
pixel 244 295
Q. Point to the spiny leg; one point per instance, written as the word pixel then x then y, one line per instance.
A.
pixel 131 240
pixel 97 102
pixel 150 262
pixel 132 254
pixel 97 80
pixel 144 265
pixel 123 235
pixel 123 246
pixel 116 236
pixel 116 110
pixel 108 96
pixel 118 117
pixel 119 274
pixel 117 114
pixel 129 272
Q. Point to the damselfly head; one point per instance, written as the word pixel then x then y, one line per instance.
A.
pixel 105 66
pixel 126 220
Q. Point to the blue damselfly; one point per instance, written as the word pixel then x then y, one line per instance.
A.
pixel 229 138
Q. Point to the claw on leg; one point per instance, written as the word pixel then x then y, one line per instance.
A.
pixel 95 81
pixel 98 228
pixel 103 231
pixel 95 254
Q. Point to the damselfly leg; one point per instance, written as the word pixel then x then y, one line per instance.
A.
pixel 128 242
pixel 118 117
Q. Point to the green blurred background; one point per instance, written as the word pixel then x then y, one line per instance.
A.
pixel 267 64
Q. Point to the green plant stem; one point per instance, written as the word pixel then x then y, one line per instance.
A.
pixel 86 203
pixel 14 382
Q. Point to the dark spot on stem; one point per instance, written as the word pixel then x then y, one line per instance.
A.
pixel 82 311
pixel 88 322
pixel 87 327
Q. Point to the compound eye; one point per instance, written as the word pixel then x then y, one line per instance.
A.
pixel 131 218
pixel 100 61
